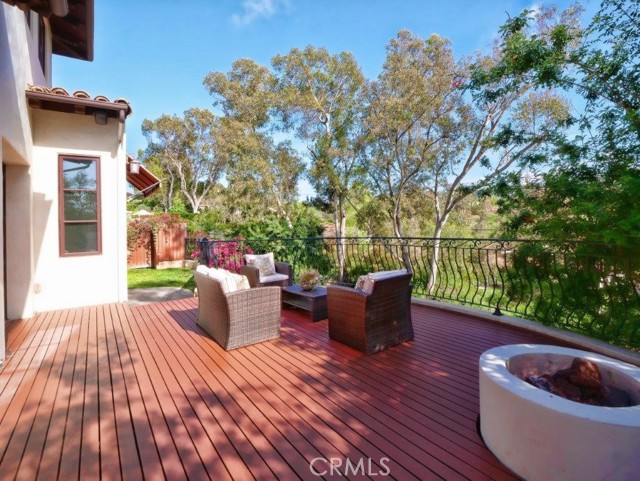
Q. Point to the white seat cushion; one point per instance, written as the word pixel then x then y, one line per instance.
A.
pixel 273 278
pixel 202 269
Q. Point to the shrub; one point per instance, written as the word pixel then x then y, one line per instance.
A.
pixel 141 230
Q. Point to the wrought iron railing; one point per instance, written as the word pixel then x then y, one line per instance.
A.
pixel 584 287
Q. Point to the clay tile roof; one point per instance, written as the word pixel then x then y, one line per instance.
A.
pixel 81 94
pixel 80 102
pixel 59 91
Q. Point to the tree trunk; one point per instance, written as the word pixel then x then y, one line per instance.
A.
pixel 397 230
pixel 433 275
pixel 170 189
pixel 340 223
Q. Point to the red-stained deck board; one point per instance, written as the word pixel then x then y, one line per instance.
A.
pixel 188 444
pixel 274 425
pixel 407 420
pixel 214 449
pixel 26 438
pixel 113 392
pixel 43 417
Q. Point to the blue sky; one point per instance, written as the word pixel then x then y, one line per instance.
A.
pixel 155 53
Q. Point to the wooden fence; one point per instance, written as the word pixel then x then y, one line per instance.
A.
pixel 167 249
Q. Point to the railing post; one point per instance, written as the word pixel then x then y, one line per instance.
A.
pixel 497 312
pixel 202 244
pixel 207 253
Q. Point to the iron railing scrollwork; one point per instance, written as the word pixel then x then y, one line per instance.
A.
pixel 585 287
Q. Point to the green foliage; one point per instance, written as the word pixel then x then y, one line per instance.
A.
pixel 591 190
pixel 320 95
pixel 208 222
pixel 305 223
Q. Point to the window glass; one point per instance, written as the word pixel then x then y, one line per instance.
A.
pixel 81 237
pixel 79 173
pixel 79 206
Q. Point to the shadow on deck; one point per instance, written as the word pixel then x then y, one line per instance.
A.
pixel 119 392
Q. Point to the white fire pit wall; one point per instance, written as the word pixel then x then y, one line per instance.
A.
pixel 543 437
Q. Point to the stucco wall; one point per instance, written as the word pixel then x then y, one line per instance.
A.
pixel 19 66
pixel 62 282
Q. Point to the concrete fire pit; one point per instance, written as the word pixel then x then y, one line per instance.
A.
pixel 541 436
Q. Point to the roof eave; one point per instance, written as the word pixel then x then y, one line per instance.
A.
pixel 72 34
pixel 59 100
pixel 143 180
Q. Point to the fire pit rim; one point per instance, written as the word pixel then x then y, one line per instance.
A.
pixel 494 363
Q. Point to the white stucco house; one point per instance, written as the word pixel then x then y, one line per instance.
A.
pixel 64 168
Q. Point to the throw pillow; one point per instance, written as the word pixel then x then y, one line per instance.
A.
pixel 225 282
pixel 241 282
pixel 263 262
pixel 365 284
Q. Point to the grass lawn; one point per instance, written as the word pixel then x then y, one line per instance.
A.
pixel 161 278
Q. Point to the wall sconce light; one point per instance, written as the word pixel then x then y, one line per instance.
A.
pixel 100 116
pixel 134 166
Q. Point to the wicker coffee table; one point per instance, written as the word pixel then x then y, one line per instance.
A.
pixel 314 301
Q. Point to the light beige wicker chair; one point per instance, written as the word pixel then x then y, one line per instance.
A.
pixel 253 274
pixel 239 318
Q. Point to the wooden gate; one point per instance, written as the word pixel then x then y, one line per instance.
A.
pixel 167 249
pixel 140 257
pixel 170 243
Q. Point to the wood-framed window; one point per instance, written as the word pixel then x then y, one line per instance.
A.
pixel 79 205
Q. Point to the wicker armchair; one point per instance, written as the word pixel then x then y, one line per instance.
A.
pixel 371 322
pixel 239 318
pixel 282 268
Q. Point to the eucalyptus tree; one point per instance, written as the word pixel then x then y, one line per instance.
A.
pixel 188 151
pixel 259 168
pixel 507 126
pixel 245 93
pixel 165 149
pixel 415 117
pixel 320 95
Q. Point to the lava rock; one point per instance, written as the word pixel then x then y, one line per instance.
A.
pixel 585 373
pixel 539 382
pixel 564 388
pixel 614 397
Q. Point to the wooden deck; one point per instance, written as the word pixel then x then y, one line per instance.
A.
pixel 113 392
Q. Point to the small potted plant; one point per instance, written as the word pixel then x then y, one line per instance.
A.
pixel 309 279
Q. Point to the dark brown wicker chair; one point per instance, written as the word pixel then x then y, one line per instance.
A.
pixel 253 274
pixel 239 318
pixel 371 322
